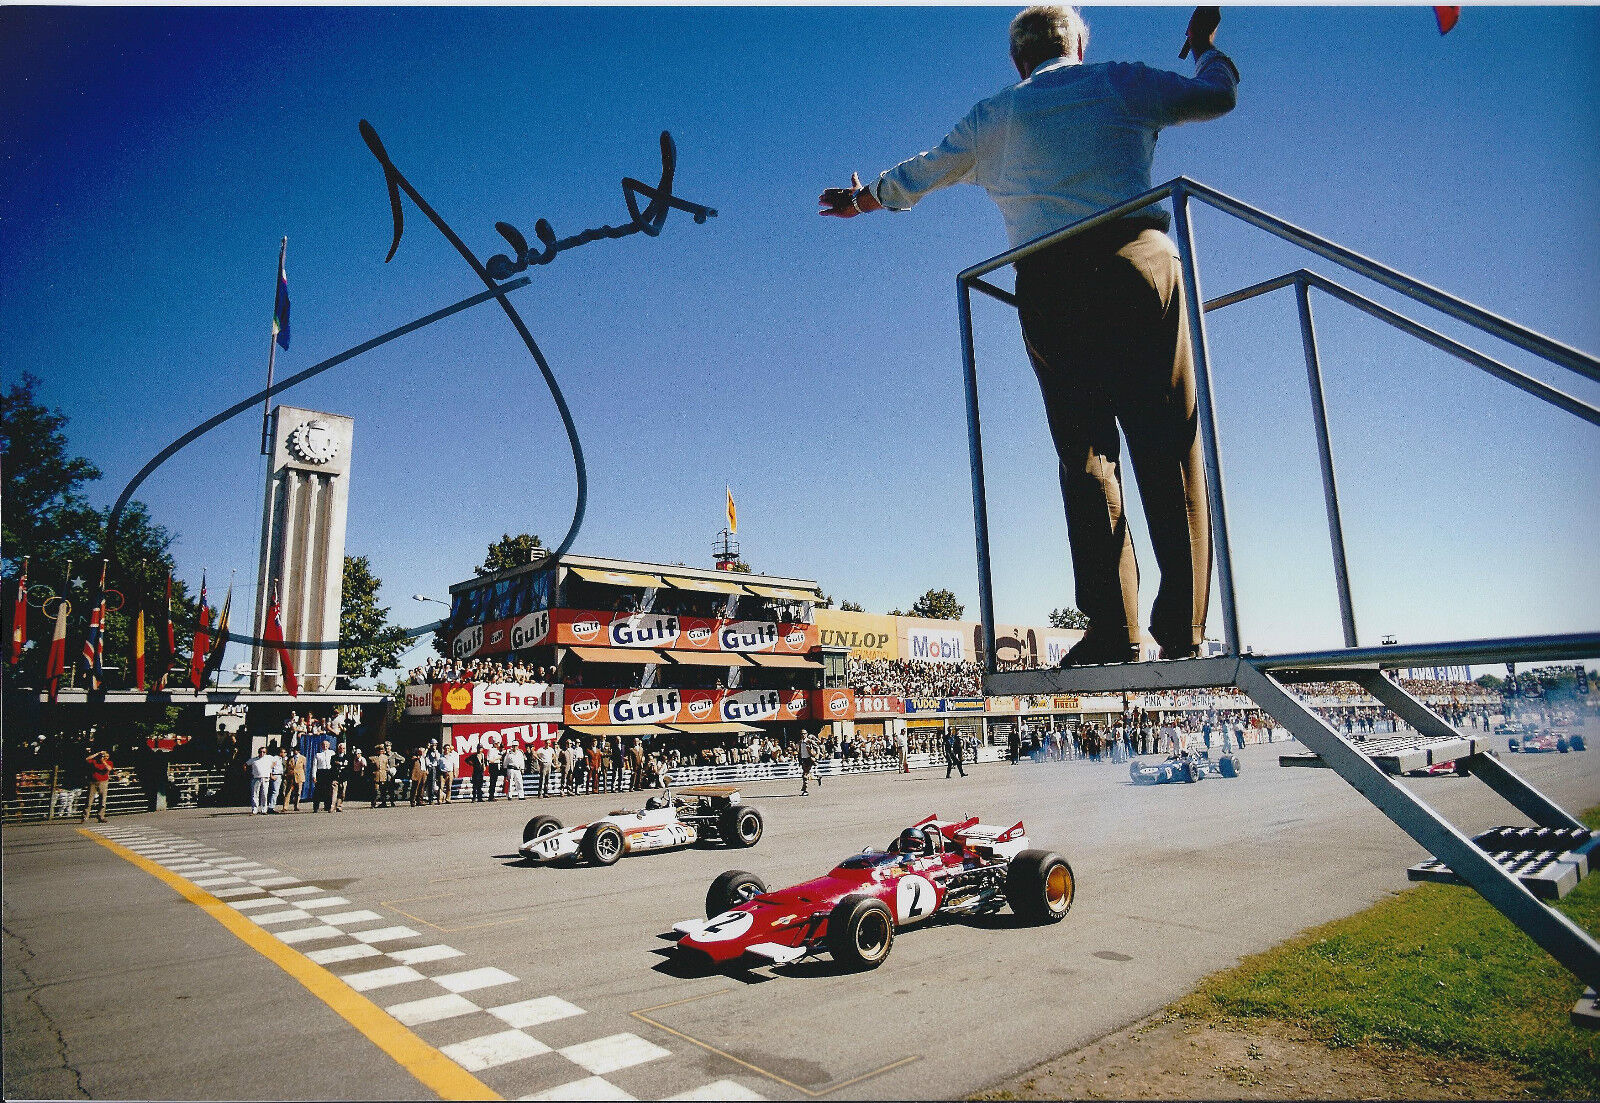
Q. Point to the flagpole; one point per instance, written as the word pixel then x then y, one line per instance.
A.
pixel 72 668
pixel 272 349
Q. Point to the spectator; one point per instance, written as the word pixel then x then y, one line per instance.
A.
pixel 276 786
pixel 260 772
pixel 294 778
pixel 543 760
pixel 513 763
pixel 322 777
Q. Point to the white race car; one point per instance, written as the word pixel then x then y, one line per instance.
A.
pixel 701 814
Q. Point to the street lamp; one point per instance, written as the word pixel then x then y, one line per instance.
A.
pixel 425 597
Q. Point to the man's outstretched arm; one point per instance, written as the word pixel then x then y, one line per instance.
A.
pixel 952 161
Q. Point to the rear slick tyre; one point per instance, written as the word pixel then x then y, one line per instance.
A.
pixel 860 932
pixel 741 827
pixel 1040 886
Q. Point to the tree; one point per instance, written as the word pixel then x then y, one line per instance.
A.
pixel 1068 618
pixel 850 607
pixel 938 605
pixel 48 519
pixel 511 551
pixel 368 643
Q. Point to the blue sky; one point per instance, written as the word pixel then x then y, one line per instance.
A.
pixel 154 157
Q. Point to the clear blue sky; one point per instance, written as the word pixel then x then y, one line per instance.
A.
pixel 154 157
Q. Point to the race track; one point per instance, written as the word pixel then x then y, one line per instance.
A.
pixel 537 980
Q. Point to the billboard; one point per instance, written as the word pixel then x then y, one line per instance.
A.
pixel 869 636
pixel 699 706
pixel 465 738
pixel 917 706
pixel 585 628
pixel 879 704
pixel 484 699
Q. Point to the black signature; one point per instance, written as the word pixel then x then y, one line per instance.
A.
pixel 648 220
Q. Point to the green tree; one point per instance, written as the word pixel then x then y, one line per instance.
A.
pixel 938 605
pixel 511 551
pixel 850 607
pixel 48 519
pixel 1068 618
pixel 368 643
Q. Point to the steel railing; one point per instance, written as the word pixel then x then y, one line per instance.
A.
pixel 1180 190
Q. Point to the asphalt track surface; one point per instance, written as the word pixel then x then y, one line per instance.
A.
pixel 117 985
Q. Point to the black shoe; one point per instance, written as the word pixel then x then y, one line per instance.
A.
pixel 1092 652
pixel 1189 652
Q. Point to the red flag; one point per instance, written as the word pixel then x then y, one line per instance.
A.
pixel 57 664
pixel 169 641
pixel 202 640
pixel 19 615
pixel 273 634
pixel 1447 18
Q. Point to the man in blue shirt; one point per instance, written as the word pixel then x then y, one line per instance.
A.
pixel 1102 313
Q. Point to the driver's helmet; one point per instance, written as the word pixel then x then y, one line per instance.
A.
pixel 911 842
pixel 657 802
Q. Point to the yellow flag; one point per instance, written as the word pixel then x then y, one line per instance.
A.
pixel 733 514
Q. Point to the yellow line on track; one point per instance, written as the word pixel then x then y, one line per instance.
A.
pixel 432 1068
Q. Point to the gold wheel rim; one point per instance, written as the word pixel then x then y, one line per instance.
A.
pixel 872 935
pixel 1058 888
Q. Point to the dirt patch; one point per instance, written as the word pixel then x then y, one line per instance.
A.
pixel 1174 1058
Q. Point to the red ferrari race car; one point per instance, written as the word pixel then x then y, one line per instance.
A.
pixel 934 868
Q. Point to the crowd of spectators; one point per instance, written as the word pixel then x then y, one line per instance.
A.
pixel 915 678
pixel 480 670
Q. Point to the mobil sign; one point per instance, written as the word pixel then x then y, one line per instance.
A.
pixel 935 645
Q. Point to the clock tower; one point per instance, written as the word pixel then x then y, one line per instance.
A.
pixel 302 541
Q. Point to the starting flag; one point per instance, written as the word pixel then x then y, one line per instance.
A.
pixel 1447 18
pixel 733 513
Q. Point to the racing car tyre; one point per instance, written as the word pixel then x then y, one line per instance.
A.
pixel 540 825
pixel 1577 743
pixel 1191 772
pixel 1511 745
pixel 731 889
pixel 860 931
pixel 741 827
pixel 602 844
pixel 1229 766
pixel 1039 886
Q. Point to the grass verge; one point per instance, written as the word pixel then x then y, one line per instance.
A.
pixel 1434 969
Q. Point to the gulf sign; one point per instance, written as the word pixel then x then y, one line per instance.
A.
pixel 614 706
pixel 466 738
pixel 878 704
pixel 684 706
pixel 589 628
pixel 833 704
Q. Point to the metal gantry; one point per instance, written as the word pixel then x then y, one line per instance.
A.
pixel 1369 768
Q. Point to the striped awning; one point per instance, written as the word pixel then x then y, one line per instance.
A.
pixel 784 592
pixel 619 578
pixel 790 662
pixel 633 655
pixel 708 658
pixel 704 585
pixel 714 729
pixel 616 729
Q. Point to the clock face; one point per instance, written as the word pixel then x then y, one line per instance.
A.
pixel 313 442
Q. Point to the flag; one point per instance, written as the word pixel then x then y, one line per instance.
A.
pixel 19 615
pixel 138 643
pixel 280 307
pixel 57 664
pixel 202 640
pixel 169 641
pixel 1447 20
pixel 273 634
pixel 94 641
pixel 733 514
pixel 220 631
